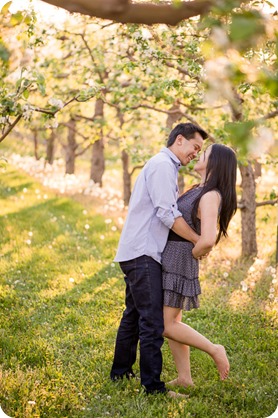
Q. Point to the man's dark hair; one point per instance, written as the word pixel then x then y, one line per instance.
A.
pixel 187 130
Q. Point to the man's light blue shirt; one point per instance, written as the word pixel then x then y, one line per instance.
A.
pixel 152 209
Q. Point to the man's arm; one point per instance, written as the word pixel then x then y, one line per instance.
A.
pixel 181 227
pixel 161 184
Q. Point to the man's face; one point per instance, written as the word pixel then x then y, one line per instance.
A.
pixel 189 149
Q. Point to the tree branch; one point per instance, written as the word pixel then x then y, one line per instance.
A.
pixel 90 119
pixel 270 115
pixel 198 107
pixel 137 167
pixel 75 130
pixel 171 112
pixel 53 112
pixel 10 128
pixel 182 70
pixel 267 202
pixel 128 12
pixel 77 154
pixel 91 55
pixel 242 205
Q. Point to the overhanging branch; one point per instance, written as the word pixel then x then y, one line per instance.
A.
pixel 148 13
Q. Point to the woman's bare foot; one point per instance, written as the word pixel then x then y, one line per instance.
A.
pixel 176 395
pixel 221 361
pixel 181 382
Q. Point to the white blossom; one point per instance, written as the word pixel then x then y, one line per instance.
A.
pixel 27 111
pixel 3 120
pixel 219 37
pixel 262 142
pixel 52 123
pixel 244 286
pixel 56 102
pixel 217 73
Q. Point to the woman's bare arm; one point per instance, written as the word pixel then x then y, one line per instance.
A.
pixel 208 213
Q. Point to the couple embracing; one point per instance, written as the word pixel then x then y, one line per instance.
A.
pixel 162 241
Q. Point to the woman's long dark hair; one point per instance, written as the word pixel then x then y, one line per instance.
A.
pixel 221 176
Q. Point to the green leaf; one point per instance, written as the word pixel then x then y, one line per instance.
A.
pixel 245 25
pixel 28 19
pixel 5 8
pixel 41 86
pixel 18 83
pixel 87 94
pixel 273 195
pixel 240 134
pixel 26 94
pixel 270 82
pixel 16 18
pixel 4 53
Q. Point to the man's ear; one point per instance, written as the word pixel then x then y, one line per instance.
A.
pixel 179 139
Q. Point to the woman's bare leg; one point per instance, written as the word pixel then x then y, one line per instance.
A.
pixel 181 355
pixel 176 330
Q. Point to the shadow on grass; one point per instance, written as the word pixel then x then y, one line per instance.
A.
pixel 7 192
pixel 57 337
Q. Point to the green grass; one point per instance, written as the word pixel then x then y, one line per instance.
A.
pixel 57 334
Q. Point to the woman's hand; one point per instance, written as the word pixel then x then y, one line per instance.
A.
pixel 200 257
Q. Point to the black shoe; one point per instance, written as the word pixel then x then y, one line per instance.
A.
pixel 128 375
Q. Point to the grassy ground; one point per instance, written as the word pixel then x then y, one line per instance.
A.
pixel 61 297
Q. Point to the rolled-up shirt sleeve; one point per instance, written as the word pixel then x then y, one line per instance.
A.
pixel 161 183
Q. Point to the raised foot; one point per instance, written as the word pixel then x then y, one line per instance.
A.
pixel 221 361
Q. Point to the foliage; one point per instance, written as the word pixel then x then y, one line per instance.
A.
pixel 210 69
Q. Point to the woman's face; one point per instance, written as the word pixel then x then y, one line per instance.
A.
pixel 202 162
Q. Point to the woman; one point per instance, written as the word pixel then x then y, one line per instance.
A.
pixel 207 208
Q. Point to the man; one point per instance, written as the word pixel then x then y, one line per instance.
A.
pixel 152 212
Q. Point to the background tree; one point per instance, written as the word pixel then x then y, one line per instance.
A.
pixel 218 72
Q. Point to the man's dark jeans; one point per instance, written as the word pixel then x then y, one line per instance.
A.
pixel 142 320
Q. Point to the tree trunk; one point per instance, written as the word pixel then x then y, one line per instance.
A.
pixel 171 119
pixel 36 144
pixel 98 161
pixel 258 169
pixel 126 177
pixel 71 147
pixel 248 185
pixel 50 144
pixel 248 212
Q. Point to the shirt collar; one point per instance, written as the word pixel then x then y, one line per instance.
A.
pixel 172 156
